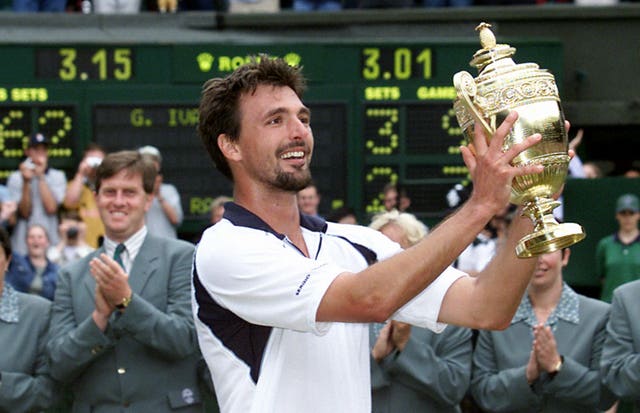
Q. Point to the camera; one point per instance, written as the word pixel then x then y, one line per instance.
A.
pixel 29 163
pixel 72 233
pixel 94 161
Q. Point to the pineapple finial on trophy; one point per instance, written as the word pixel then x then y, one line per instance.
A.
pixel 487 38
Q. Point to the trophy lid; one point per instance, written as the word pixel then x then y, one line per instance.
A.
pixel 500 54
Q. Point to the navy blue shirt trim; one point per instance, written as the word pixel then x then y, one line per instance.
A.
pixel 246 340
pixel 240 216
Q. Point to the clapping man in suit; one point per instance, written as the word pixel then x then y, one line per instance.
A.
pixel 122 332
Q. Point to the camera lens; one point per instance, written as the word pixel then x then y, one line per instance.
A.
pixel 72 233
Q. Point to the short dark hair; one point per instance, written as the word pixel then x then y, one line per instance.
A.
pixel 93 146
pixel 131 161
pixel 5 241
pixel 219 104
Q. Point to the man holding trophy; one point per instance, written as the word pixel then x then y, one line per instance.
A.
pixel 281 299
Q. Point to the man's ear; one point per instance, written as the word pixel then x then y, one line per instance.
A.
pixel 228 147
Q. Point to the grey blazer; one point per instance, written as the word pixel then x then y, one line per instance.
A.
pixel 621 354
pixel 26 383
pixel 499 383
pixel 431 374
pixel 146 360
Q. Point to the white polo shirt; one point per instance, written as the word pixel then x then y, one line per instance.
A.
pixel 255 298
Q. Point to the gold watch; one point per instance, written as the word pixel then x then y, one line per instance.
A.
pixel 124 304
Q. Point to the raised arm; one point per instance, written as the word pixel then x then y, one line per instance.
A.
pixel 374 295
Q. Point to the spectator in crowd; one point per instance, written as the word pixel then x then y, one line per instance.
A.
pixel 34 6
pixel 632 173
pixel 72 234
pixel 618 255
pixel 477 255
pixel 195 5
pixel 404 201
pixel 480 252
pixel 80 196
pixel 34 273
pixel 309 200
pixel 116 6
pixel 447 3
pixel 390 197
pixel 592 170
pixel 122 331
pixel 621 353
pixel 301 290
pixel 548 359
pixel 8 208
pixel 343 215
pixel 217 208
pixel 24 324
pixel 317 5
pixel 39 189
pixel 170 6
pixel 165 214
pixel 383 4
pixel 414 369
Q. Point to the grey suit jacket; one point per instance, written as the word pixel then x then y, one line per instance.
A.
pixel 146 360
pixel 621 354
pixel 499 383
pixel 431 374
pixel 26 383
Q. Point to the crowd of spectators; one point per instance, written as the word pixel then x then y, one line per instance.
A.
pixel 56 226
pixel 173 6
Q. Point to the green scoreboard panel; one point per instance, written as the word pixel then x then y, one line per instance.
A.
pixel 381 111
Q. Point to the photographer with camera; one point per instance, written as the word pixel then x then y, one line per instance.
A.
pixel 79 196
pixel 72 234
pixel 38 189
pixel 165 214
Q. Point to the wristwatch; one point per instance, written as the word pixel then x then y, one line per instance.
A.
pixel 125 303
pixel 557 367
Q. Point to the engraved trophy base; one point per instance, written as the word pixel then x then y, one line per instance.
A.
pixel 548 235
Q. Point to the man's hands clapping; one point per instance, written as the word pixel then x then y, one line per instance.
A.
pixel 112 285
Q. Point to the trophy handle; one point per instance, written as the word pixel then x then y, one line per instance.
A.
pixel 466 89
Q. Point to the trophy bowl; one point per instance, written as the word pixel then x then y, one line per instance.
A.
pixel 503 86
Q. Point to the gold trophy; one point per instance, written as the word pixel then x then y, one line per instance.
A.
pixel 502 86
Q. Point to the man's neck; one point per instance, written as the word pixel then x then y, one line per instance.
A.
pixel 279 211
pixel 628 236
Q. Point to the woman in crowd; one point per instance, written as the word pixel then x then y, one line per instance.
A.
pixel 548 358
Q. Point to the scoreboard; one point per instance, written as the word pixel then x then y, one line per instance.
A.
pixel 381 111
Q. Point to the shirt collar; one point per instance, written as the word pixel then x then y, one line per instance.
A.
pixel 9 308
pixel 132 244
pixel 618 240
pixel 567 309
pixel 241 216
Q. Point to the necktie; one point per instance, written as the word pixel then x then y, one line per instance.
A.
pixel 117 255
